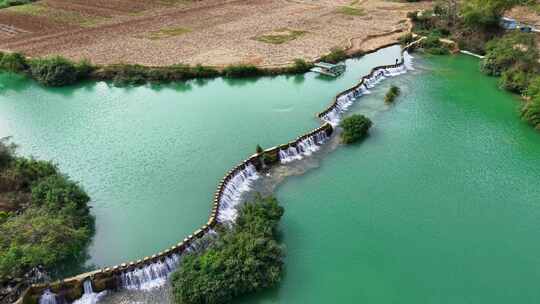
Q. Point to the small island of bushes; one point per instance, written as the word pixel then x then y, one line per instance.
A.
pixel 44 218
pixel 392 94
pixel 355 128
pixel 245 258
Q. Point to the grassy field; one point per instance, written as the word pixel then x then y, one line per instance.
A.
pixel 280 36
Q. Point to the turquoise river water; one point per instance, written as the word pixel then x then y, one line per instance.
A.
pixel 441 204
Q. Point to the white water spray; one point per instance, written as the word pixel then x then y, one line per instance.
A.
pixel 89 296
pixel 303 148
pixel 232 192
pixel 150 276
pixel 48 297
pixel 344 101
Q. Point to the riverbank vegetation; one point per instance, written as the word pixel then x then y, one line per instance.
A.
pixel 392 94
pixel 58 71
pixel 336 55
pixel 474 24
pixel 45 219
pixel 246 258
pixel 355 128
pixel 53 71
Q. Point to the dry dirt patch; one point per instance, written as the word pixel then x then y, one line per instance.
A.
pixel 212 32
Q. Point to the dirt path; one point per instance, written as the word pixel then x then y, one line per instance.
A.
pixel 211 32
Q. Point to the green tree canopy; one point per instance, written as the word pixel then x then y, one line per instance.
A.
pixel 246 258
pixel 485 13
pixel 355 128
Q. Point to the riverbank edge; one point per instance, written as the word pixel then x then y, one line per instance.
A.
pixel 134 74
pixel 108 278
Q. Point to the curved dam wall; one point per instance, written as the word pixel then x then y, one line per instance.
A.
pixel 153 271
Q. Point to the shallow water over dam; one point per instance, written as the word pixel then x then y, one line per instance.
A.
pixel 439 205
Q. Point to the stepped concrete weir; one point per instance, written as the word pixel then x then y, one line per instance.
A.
pixel 152 271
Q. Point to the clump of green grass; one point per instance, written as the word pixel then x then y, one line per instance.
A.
pixel 350 11
pixel 288 35
pixel 168 32
pixel 58 15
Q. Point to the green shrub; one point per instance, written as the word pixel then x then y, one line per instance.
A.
pixel 406 39
pixel 355 128
pixel 132 74
pixel 336 55
pixel 25 172
pixel 4 216
pixel 484 13
pixel 515 50
pixel 432 45
pixel 39 237
pixel 300 66
pixel 241 70
pixel 534 87
pixel 246 258
pixel 84 69
pixel 531 112
pixel 56 192
pixel 51 227
pixel 391 95
pixel 7 152
pixel 54 72
pixel 13 62
pixel 514 81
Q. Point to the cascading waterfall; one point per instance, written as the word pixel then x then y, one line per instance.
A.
pixel 344 101
pixel 89 296
pixel 150 276
pixel 232 192
pixel 48 297
pixel 305 147
pixel 408 61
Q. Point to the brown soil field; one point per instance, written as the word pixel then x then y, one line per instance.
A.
pixel 209 32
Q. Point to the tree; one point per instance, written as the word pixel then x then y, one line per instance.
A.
pixel 7 152
pixel 512 51
pixel 391 95
pixel 246 258
pixel 52 223
pixel 13 62
pixel 485 13
pixel 56 71
pixel 355 128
